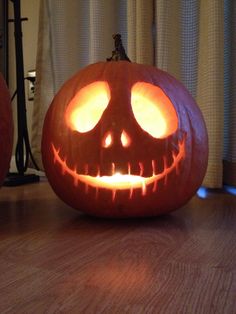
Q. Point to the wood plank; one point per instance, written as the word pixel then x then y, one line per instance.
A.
pixel 54 259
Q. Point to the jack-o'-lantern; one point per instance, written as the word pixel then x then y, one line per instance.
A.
pixel 6 129
pixel 122 139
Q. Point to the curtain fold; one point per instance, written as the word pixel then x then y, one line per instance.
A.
pixel 168 36
pixel 210 84
pixel 182 37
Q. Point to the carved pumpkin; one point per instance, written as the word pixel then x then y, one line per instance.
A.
pixel 6 129
pixel 123 139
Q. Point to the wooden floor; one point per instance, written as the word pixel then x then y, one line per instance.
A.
pixel 55 260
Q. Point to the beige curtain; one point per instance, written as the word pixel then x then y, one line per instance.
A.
pixel 183 37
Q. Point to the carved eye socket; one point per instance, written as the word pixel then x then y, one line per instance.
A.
pixel 153 110
pixel 87 106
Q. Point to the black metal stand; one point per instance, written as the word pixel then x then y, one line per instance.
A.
pixel 23 150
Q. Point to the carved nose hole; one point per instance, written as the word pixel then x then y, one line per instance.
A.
pixel 107 140
pixel 125 139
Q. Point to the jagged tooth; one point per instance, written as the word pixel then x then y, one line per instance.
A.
pixel 129 168
pixel 86 169
pixel 131 193
pixel 180 137
pixel 113 195
pixel 154 186
pixel 113 169
pixel 98 172
pixel 176 163
pixel 141 168
pixel 144 189
pixel 154 167
pixel 76 180
pixel 56 153
pixel 63 167
pixel 181 145
pixel 181 142
pixel 174 155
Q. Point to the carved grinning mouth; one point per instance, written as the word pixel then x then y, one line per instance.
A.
pixel 118 181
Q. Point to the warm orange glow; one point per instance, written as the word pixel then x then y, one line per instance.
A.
pixel 87 106
pixel 107 141
pixel 125 139
pixel 119 181
pixel 153 110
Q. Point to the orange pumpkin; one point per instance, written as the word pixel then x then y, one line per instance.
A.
pixel 122 139
pixel 6 129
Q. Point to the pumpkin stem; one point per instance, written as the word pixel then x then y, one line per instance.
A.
pixel 119 52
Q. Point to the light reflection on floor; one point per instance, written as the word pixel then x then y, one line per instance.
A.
pixel 204 192
pixel 230 189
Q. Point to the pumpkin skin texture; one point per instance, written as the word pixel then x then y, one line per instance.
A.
pixel 6 129
pixel 166 156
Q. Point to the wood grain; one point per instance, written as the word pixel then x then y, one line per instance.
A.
pixel 54 259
